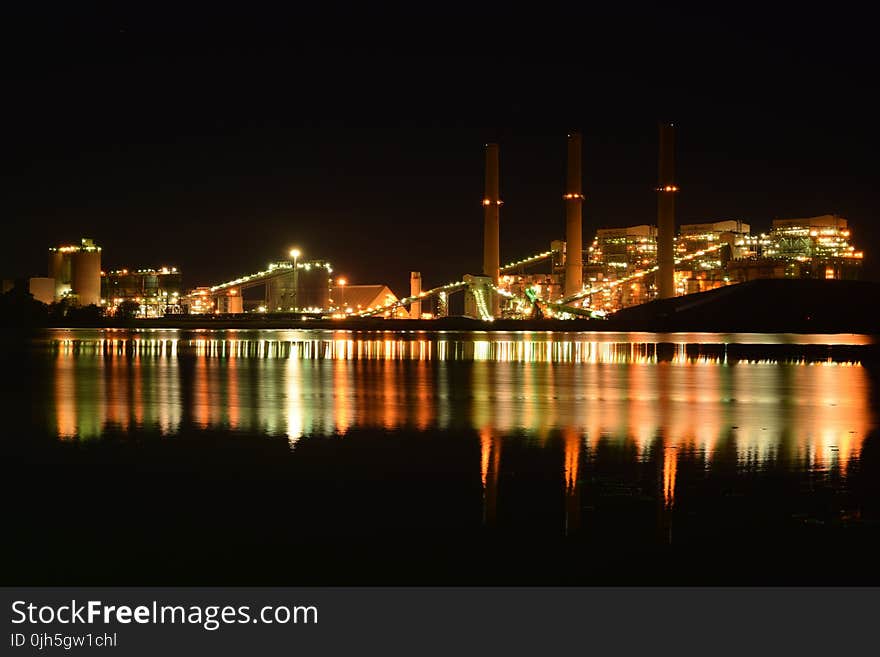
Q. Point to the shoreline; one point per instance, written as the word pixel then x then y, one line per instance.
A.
pixel 771 306
pixel 203 322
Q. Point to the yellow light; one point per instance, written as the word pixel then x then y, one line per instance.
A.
pixel 341 282
pixel 295 253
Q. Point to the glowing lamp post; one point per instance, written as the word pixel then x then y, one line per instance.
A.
pixel 295 254
pixel 341 282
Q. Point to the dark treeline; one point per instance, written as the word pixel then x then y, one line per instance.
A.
pixel 19 310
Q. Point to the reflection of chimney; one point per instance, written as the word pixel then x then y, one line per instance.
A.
pixel 415 288
pixel 574 198
pixel 490 464
pixel 491 211
pixel 666 189
pixel 572 488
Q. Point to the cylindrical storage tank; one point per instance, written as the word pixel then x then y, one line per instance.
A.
pixel 59 269
pixel 86 276
pixel 56 263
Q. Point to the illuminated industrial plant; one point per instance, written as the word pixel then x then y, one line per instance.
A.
pixel 619 270
pixel 74 275
pixel 622 267
pixel 636 264
pixel 814 247
pixel 301 287
pixel 156 292
pixel 298 286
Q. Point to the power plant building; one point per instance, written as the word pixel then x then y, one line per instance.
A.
pixel 699 237
pixel 76 270
pixel 714 254
pixel 156 291
pixel 703 251
pixel 823 237
pixel 812 247
pixel 617 252
pixel 200 301
pixel 305 288
pixel 622 267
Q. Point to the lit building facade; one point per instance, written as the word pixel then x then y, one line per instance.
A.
pixel 545 285
pixel 621 251
pixel 548 284
pixel 621 263
pixel 812 247
pixel 156 291
pixel 703 252
pixel 702 237
pixel 752 246
pixel 617 254
pixel 199 301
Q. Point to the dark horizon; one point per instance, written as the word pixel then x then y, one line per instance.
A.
pixel 216 142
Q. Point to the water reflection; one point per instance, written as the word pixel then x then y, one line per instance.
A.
pixel 702 398
pixel 670 464
pixel 490 468
pixel 572 445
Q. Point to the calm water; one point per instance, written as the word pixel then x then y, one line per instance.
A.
pixel 340 449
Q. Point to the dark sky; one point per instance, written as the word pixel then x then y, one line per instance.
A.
pixel 215 140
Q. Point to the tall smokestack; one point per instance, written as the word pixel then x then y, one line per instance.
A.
pixel 666 190
pixel 491 211
pixel 574 198
pixel 415 289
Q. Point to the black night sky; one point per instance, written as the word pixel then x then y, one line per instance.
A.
pixel 215 140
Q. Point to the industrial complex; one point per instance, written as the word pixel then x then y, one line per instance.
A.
pixel 74 273
pixel 619 268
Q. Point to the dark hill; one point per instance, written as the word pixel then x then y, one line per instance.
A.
pixel 773 305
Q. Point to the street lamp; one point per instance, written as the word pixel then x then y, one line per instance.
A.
pixel 295 254
pixel 341 282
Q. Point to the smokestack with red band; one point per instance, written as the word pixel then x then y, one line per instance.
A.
pixel 491 212
pixel 574 198
pixel 415 289
pixel 666 190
